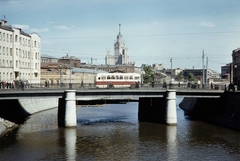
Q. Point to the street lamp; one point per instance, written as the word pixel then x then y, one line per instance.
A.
pixel 61 76
pixel 70 83
pixel 171 73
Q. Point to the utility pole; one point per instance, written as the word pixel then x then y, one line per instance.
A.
pixel 70 83
pixel 92 60
pixel 207 71
pixel 171 72
pixel 203 80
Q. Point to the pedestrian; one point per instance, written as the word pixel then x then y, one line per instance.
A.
pixel 82 84
pixel 152 84
pixel 22 85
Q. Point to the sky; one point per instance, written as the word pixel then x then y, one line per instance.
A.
pixel 154 31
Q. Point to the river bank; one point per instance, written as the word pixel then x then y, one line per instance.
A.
pixel 13 113
pixel 6 126
pixel 223 111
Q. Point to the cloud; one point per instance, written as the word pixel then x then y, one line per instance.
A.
pixel 39 30
pixel 23 27
pixel 207 24
pixel 62 27
pixel 26 27
pixel 156 23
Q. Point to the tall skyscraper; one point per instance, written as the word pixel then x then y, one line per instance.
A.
pixel 120 56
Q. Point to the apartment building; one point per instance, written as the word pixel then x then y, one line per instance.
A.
pixel 20 55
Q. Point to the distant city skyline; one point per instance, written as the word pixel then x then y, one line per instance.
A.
pixel 154 31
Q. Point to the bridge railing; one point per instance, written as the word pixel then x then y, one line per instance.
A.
pixel 144 86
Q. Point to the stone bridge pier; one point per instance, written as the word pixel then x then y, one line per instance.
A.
pixel 159 109
pixel 67 116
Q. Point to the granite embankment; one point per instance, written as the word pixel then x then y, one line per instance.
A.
pixel 15 112
pixel 223 111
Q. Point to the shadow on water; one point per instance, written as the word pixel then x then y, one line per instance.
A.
pixel 11 110
pixel 9 139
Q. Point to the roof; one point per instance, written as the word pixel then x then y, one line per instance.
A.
pixel 47 56
pixel 85 70
pixel 6 28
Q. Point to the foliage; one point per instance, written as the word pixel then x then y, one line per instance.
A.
pixel 190 77
pixel 149 74
pixel 180 76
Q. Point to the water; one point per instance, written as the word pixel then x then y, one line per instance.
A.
pixel 112 132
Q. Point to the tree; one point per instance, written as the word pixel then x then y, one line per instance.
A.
pixel 190 77
pixel 180 76
pixel 149 74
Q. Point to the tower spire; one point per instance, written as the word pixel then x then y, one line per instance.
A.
pixel 119 28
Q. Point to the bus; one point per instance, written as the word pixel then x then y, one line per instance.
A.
pixel 118 80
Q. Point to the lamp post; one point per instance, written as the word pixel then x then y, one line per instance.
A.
pixel 171 73
pixel 61 76
pixel 70 83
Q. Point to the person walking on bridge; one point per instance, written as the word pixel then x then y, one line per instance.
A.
pixel 22 84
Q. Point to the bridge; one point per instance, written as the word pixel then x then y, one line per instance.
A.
pixel 106 94
pixel 156 105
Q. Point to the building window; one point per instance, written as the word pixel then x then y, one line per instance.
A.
pixel 10 38
pixel 0 36
pixel 16 37
pixel 10 51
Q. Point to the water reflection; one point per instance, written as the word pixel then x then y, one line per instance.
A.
pixel 171 137
pixel 70 136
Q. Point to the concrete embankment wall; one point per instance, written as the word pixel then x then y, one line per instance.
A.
pixel 223 111
pixel 16 111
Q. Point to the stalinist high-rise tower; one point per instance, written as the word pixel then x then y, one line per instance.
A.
pixel 120 56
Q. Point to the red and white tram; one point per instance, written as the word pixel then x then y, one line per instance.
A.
pixel 118 80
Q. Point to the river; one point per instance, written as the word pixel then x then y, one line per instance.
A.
pixel 113 132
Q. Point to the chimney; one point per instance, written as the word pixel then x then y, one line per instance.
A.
pixel 3 22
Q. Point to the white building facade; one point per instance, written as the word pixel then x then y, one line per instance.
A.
pixel 120 56
pixel 20 55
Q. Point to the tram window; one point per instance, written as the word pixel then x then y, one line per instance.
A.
pixel 112 77
pixel 108 77
pixel 136 78
pixel 104 77
pixel 99 78
pixel 121 77
pixel 126 77
pixel 117 76
pixel 131 77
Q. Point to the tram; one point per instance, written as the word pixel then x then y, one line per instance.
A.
pixel 118 80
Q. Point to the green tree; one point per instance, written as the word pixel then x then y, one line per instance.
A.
pixel 180 76
pixel 190 77
pixel 149 74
